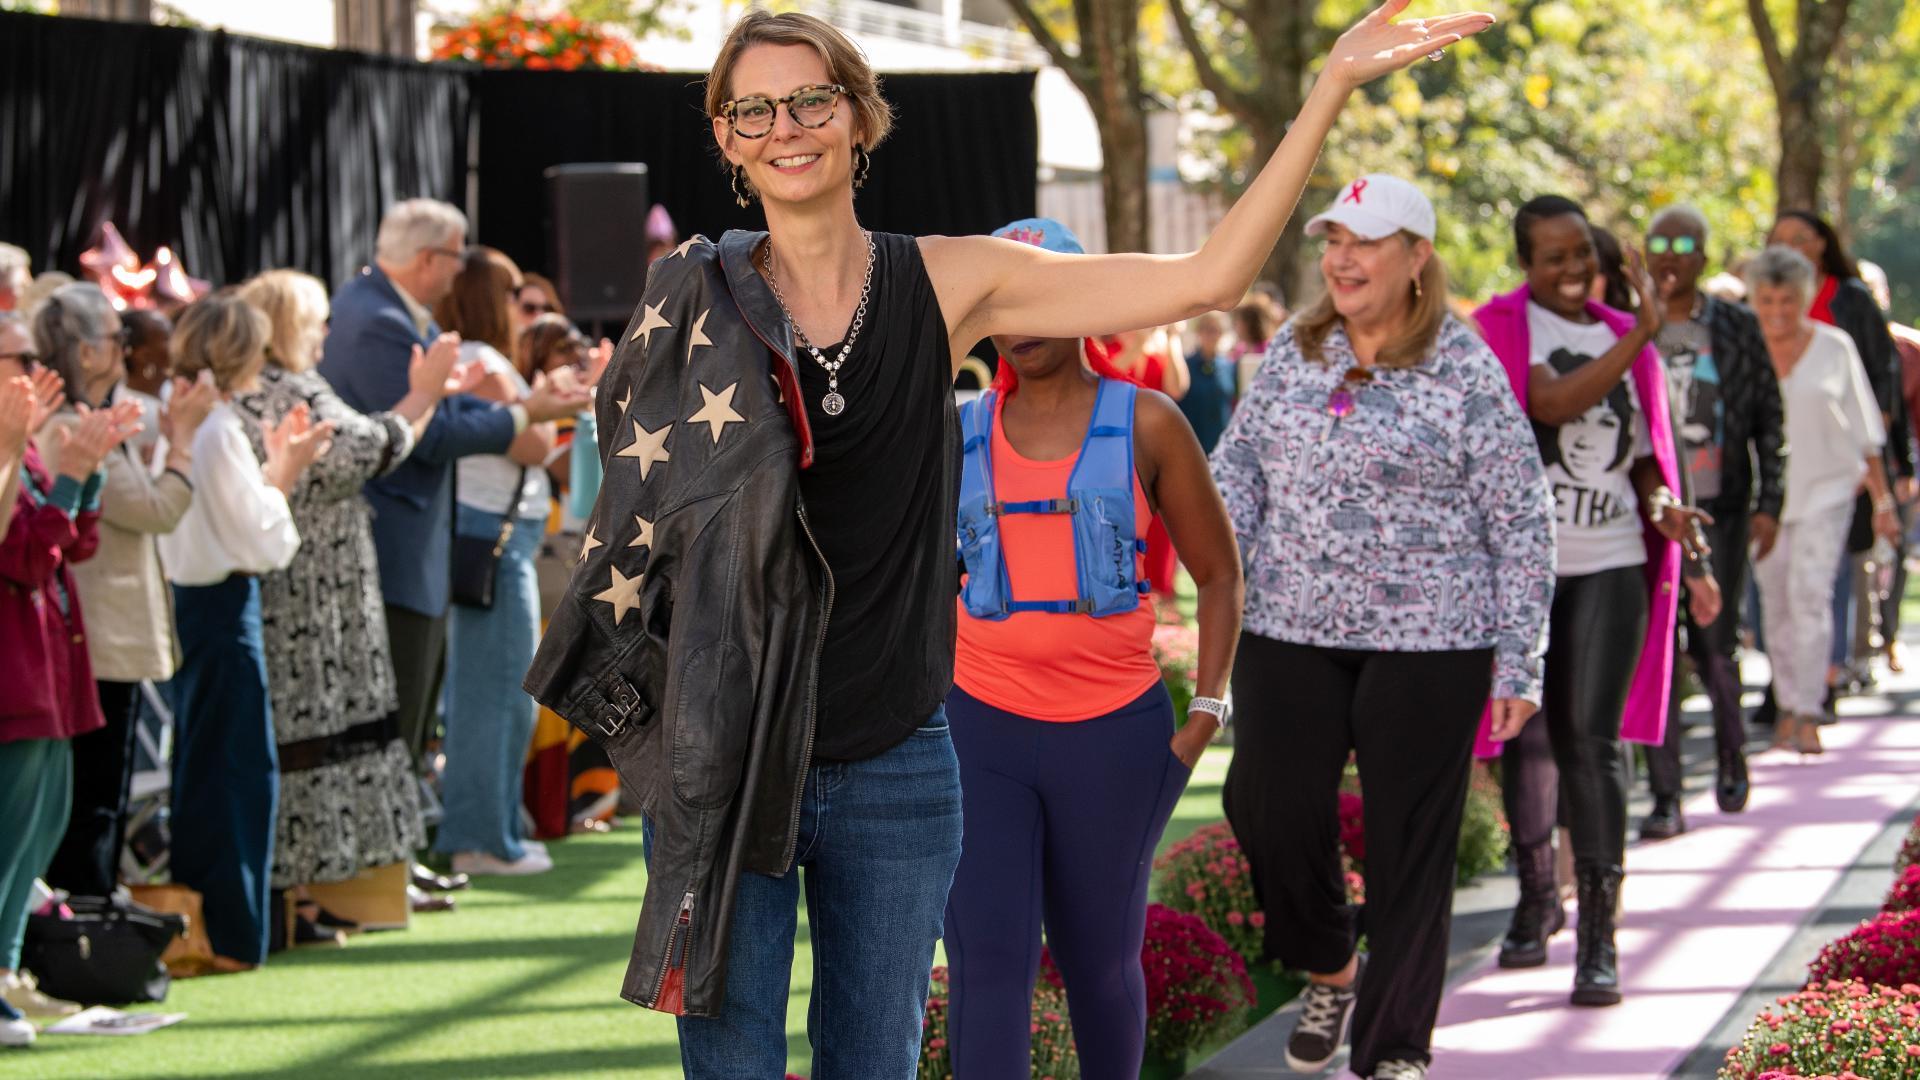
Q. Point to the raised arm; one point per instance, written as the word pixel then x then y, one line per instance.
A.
pixel 989 286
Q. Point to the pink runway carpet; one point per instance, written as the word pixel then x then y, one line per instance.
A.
pixel 1704 914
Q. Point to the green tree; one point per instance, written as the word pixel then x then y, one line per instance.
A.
pixel 1800 75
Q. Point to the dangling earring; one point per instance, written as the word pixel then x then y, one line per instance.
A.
pixel 742 191
pixel 1416 286
pixel 862 165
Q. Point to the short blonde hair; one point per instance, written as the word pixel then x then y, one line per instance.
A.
pixel 1408 348
pixel 221 333
pixel 846 65
pixel 296 308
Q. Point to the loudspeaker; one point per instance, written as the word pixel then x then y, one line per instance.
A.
pixel 597 238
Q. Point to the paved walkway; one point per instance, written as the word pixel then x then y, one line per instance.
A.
pixel 1717 922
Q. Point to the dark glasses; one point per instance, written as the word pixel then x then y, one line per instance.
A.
pixel 1679 245
pixel 810 107
pixel 1340 402
pixel 26 359
pixel 532 310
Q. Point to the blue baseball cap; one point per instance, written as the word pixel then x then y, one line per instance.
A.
pixel 1042 233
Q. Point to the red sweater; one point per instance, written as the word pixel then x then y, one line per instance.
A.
pixel 49 691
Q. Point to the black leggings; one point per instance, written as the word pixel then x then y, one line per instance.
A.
pixel 1599 622
pixel 1410 719
pixel 1711 649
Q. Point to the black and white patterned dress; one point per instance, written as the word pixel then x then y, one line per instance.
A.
pixel 348 797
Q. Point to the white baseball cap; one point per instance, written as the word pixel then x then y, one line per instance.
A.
pixel 1377 205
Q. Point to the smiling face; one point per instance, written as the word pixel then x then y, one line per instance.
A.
pixel 791 164
pixel 1560 274
pixel 1781 309
pixel 1371 281
pixel 1589 445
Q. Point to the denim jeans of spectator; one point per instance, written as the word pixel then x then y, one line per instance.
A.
pixel 489 718
pixel 879 841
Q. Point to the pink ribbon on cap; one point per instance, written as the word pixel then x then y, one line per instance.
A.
pixel 1353 193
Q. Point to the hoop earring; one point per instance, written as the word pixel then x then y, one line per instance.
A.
pixel 742 191
pixel 862 165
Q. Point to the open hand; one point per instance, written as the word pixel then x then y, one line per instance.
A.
pixel 293 444
pixel 48 395
pixel 81 447
pixel 556 396
pixel 1509 716
pixel 16 416
pixel 1703 600
pixel 429 370
pixel 598 358
pixel 1377 45
pixel 1652 312
pixel 187 407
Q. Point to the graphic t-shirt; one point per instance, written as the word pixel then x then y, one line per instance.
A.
pixel 1588 458
pixel 1693 388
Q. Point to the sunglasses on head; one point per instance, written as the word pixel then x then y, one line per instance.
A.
pixel 1679 245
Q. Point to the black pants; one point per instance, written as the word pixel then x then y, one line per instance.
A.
pixel 1711 650
pixel 1598 624
pixel 418 644
pixel 1410 718
pixel 88 861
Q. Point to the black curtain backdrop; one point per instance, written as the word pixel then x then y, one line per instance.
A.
pixel 239 153
pixel 961 158
pixel 244 154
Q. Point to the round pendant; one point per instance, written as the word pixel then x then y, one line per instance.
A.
pixel 833 404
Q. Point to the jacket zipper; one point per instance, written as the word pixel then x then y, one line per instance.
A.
pixel 676 952
pixel 813 687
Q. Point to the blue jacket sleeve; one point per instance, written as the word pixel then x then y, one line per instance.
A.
pixel 371 376
pixel 463 425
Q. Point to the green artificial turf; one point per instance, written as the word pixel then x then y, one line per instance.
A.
pixel 522 981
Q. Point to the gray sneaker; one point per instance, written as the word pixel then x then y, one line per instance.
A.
pixel 1400 1070
pixel 1324 1012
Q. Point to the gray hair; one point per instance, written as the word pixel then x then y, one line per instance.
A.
pixel 1683 214
pixel 14 260
pixel 1780 267
pixel 415 225
pixel 71 317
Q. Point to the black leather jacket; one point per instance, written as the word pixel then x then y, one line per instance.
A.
pixel 689 641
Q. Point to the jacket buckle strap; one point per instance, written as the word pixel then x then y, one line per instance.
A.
pixel 621 699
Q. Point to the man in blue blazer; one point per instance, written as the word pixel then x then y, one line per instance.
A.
pixel 378 319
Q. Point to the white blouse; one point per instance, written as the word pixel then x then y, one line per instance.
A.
pixel 485 481
pixel 238 523
pixel 1833 425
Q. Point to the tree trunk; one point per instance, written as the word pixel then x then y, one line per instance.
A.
pixel 1123 179
pixel 1801 154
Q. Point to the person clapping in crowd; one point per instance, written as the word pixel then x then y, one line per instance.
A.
pixel 1379 456
pixel 1040 680
pixel 348 799
pixel 1725 402
pixel 50 696
pixel 377 320
pixel 225 790
pixel 501 516
pixel 81 338
pixel 1835 429
pixel 1592 382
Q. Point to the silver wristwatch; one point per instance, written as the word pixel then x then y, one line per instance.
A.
pixel 1214 707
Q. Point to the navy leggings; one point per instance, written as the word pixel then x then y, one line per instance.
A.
pixel 1061 821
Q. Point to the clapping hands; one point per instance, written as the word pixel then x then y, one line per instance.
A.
pixel 81 447
pixel 293 444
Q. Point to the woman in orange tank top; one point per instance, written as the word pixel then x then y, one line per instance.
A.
pixel 1069 761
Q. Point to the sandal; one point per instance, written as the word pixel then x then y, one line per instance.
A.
pixel 1784 729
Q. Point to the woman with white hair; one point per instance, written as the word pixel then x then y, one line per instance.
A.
pixel 1835 429
pixel 347 798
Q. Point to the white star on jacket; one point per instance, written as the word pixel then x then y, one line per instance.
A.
pixel 587 545
pixel 697 337
pixel 648 447
pixel 645 539
pixel 692 242
pixel 717 412
pixel 652 321
pixel 623 593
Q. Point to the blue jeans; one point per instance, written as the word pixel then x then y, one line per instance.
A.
pixel 36 785
pixel 879 840
pixel 489 718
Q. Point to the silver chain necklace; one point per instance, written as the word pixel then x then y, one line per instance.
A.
pixel 833 404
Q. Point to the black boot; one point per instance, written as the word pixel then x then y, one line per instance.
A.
pixel 1596 974
pixel 1666 821
pixel 1538 916
pixel 1730 785
pixel 1767 712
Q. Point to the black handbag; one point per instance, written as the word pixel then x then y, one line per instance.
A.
pixel 476 559
pixel 108 953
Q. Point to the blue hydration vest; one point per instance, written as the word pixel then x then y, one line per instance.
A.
pixel 1099 498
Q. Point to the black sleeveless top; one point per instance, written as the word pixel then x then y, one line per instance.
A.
pixel 881 497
